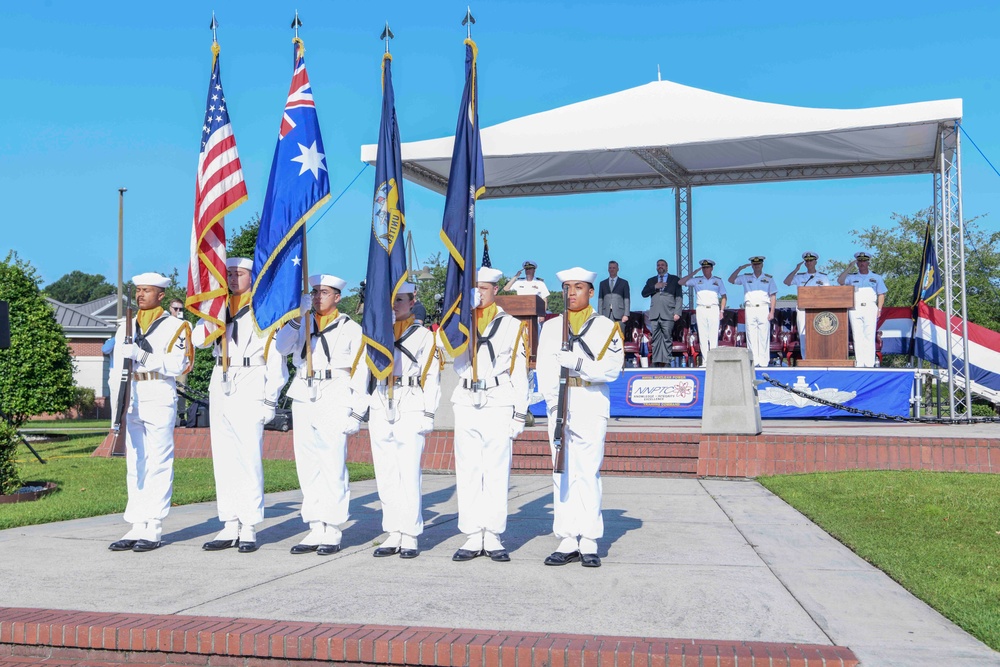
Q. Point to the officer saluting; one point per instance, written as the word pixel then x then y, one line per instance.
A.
pixel 529 285
pixel 321 410
pixel 402 413
pixel 161 352
pixel 595 357
pixel 241 402
pixel 759 297
pixel 810 278
pixel 710 305
pixel 869 296
pixel 491 407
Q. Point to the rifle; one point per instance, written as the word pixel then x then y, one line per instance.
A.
pixel 124 389
pixel 562 406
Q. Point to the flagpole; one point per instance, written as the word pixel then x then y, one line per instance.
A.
pixel 121 244
pixel 389 389
pixel 225 310
pixel 474 334
pixel 296 24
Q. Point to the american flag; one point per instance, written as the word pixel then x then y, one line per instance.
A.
pixel 219 188
pixel 486 253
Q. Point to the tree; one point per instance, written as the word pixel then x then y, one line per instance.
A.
pixel 36 373
pixel 898 252
pixel 244 242
pixel 80 287
pixel 10 476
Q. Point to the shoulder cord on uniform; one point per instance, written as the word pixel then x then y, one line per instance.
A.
pixel 521 340
pixel 615 331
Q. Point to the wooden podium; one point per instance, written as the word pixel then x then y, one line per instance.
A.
pixel 528 308
pixel 827 324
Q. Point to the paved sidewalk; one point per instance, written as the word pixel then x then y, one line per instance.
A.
pixel 699 559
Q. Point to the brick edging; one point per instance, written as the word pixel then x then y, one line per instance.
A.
pixel 194 639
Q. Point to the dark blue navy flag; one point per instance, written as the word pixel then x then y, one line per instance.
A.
pixel 298 186
pixel 386 249
pixel 929 284
pixel 466 183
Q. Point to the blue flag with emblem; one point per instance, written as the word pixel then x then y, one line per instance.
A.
pixel 466 183
pixel 297 187
pixel 386 249
pixel 929 284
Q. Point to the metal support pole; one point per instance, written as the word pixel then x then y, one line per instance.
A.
pixel 684 236
pixel 961 274
pixel 121 245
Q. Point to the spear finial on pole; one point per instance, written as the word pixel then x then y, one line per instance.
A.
pixel 214 27
pixel 296 24
pixel 387 35
pixel 468 21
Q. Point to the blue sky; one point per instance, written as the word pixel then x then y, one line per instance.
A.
pixel 102 96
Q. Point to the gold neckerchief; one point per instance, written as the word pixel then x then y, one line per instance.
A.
pixel 145 318
pixel 486 316
pixel 399 326
pixel 577 318
pixel 323 321
pixel 237 301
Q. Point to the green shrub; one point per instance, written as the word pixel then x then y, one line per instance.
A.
pixel 10 478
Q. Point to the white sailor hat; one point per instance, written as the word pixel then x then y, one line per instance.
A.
pixel 862 255
pixel 488 275
pixel 809 254
pixel 707 262
pixel 151 279
pixel 530 263
pixel 239 263
pixel 576 274
pixel 757 258
pixel 407 288
pixel 328 280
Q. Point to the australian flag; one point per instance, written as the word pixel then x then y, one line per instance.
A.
pixel 297 187
pixel 929 284
pixel 386 249
pixel 466 183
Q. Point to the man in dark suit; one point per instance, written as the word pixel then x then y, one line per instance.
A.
pixel 613 295
pixel 665 301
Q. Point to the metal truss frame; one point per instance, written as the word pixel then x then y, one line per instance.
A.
pixel 949 234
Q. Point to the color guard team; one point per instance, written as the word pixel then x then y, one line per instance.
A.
pixel 490 401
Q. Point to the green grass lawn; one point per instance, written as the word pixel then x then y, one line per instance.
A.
pixel 65 424
pixel 91 486
pixel 937 534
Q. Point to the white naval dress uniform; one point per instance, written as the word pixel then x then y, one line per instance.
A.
pixel 149 452
pixel 864 315
pixel 707 294
pixel 817 279
pixel 397 433
pixel 483 422
pixel 322 415
pixel 757 291
pixel 523 287
pixel 257 372
pixel 577 491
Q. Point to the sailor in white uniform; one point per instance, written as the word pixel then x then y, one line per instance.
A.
pixel 321 410
pixel 809 278
pixel 869 297
pixel 402 407
pixel 529 285
pixel 243 396
pixel 491 406
pixel 759 298
pixel 160 352
pixel 710 305
pixel 595 358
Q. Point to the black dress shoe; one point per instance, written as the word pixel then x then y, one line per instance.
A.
pixel 467 554
pixel 122 545
pixel 382 552
pixel 146 545
pixel 304 548
pixel 328 549
pixel 408 553
pixel 246 547
pixel 560 558
pixel 499 556
pixel 590 560
pixel 218 545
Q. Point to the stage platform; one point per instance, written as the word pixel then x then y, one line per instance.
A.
pixel 676 448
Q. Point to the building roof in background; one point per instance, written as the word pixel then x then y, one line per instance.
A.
pixel 75 321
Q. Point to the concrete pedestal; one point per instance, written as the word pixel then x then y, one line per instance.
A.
pixel 731 405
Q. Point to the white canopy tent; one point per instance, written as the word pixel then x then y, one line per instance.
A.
pixel 667 135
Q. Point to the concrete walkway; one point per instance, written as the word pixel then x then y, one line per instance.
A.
pixel 699 559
